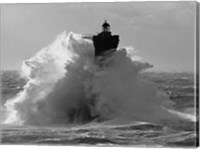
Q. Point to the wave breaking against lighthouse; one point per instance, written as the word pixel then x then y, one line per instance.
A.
pixel 66 85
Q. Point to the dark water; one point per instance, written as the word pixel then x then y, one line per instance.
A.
pixel 179 86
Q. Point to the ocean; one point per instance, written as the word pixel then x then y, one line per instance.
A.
pixel 179 86
pixel 63 96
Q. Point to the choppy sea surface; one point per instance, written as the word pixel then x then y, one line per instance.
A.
pixel 179 87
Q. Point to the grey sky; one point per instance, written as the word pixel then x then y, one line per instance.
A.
pixel 163 32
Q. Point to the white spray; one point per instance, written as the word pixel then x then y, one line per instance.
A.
pixel 66 85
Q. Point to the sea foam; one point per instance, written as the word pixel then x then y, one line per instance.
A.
pixel 67 85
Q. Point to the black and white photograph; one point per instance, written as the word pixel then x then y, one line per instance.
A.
pixel 99 74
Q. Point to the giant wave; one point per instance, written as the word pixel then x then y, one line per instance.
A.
pixel 66 85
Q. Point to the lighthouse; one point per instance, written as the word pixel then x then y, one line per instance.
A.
pixel 105 41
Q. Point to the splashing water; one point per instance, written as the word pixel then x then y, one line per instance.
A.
pixel 66 85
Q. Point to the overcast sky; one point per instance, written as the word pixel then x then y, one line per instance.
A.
pixel 163 32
